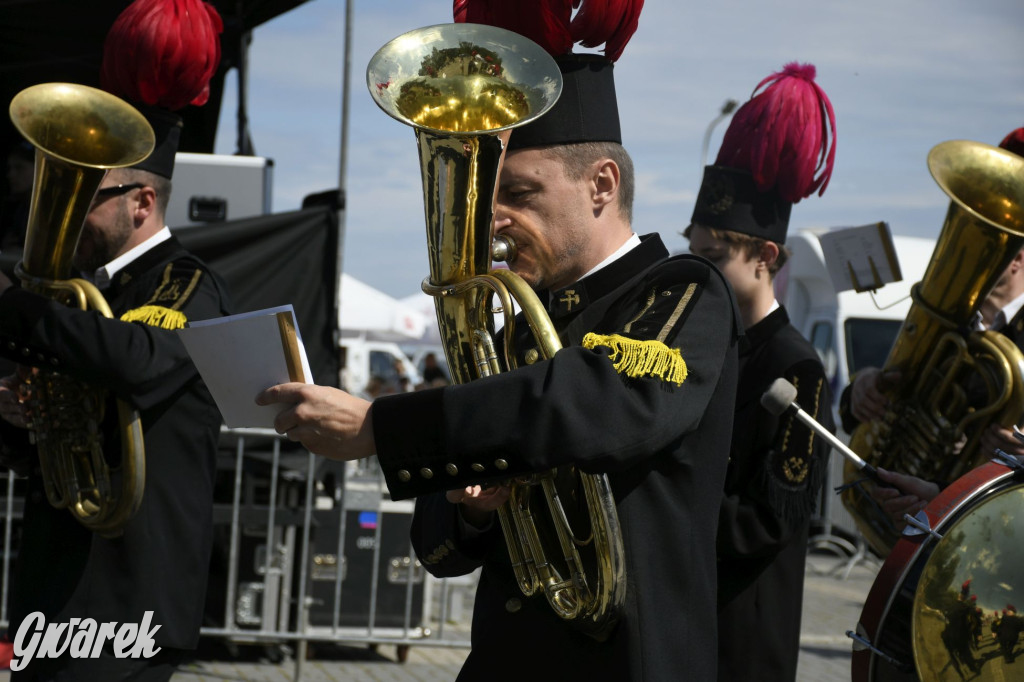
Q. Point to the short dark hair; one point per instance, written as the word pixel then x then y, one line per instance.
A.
pixel 750 245
pixel 160 184
pixel 578 157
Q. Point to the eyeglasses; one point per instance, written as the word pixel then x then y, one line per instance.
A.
pixel 117 190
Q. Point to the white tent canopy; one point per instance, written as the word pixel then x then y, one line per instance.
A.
pixel 366 311
pixel 424 303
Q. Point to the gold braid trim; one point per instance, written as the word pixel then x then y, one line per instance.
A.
pixel 680 307
pixel 796 468
pixel 817 400
pixel 636 358
pixel 650 301
pixel 156 316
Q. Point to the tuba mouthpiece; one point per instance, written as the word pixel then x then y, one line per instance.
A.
pixel 503 249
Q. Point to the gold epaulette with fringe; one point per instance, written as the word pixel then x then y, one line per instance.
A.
pixel 638 358
pixel 156 316
pixel 172 291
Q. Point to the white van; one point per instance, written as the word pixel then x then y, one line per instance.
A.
pixel 850 330
pixel 363 359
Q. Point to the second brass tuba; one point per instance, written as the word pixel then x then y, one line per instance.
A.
pixel 79 133
pixel 954 382
pixel 459 86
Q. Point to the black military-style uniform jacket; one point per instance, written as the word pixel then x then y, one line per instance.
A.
pixel 161 561
pixel 663 446
pixel 775 472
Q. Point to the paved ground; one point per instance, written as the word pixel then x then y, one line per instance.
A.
pixel 834 594
pixel 833 598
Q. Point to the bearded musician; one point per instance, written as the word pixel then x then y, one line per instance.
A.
pixel 642 390
pixel 152 574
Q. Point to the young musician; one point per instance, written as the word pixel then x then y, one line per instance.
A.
pixel 776 152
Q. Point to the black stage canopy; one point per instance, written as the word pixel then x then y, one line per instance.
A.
pixel 278 259
pixel 45 41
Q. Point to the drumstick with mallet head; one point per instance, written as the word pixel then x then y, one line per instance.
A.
pixel 781 397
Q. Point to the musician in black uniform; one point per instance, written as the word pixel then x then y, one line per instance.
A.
pixel 864 399
pixel 660 433
pixel 161 561
pixel 776 464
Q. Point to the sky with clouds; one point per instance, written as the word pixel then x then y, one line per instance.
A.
pixel 903 75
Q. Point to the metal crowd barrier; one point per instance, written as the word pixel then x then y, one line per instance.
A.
pixel 307 550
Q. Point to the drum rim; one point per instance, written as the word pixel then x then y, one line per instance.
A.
pixel 905 552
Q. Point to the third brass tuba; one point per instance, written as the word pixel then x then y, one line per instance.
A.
pixel 954 382
pixel 459 86
pixel 79 133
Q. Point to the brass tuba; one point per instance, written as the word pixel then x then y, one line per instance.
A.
pixel 79 133
pixel 459 86
pixel 954 382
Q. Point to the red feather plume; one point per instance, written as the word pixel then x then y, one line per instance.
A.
pixel 1014 142
pixel 612 22
pixel 784 135
pixel 551 24
pixel 163 53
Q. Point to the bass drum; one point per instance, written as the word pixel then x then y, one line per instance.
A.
pixel 943 604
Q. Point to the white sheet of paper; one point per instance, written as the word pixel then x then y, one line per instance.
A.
pixel 861 258
pixel 239 356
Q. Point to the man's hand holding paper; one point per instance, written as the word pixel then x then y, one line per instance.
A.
pixel 326 420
